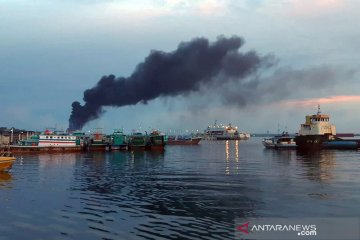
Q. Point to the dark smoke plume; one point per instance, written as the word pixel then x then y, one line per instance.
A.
pixel 163 74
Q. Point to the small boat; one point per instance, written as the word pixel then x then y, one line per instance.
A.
pixel 181 140
pixel 283 141
pixel 6 161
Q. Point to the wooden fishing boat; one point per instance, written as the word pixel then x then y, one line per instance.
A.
pixel 6 161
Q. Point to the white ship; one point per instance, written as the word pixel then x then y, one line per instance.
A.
pixel 51 139
pixel 224 132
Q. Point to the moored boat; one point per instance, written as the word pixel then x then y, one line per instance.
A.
pixel 183 140
pixel 138 141
pixel 119 140
pixel 283 141
pixel 48 141
pixel 318 133
pixel 157 140
pixel 6 161
pixel 97 142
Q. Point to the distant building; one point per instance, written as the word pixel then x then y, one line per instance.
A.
pixel 13 135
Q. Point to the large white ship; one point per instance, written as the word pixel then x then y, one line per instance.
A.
pixel 52 139
pixel 224 132
pixel 49 141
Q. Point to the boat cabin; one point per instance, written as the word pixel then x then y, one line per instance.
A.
pixel 317 124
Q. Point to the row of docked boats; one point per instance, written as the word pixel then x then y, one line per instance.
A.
pixel 57 141
pixel 316 133
pixel 156 140
pixel 60 141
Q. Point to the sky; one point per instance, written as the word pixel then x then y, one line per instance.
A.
pixel 51 51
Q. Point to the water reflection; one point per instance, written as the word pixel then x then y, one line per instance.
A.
pixel 5 179
pixel 227 169
pixel 319 165
pixel 232 157
pixel 47 161
pixel 138 190
pixel 186 192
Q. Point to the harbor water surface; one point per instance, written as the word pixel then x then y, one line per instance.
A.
pixel 186 192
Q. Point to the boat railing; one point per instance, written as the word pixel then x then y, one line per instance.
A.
pixel 6 154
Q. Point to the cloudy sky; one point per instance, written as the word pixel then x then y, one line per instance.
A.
pixel 51 51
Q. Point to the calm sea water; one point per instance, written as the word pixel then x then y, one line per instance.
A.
pixel 187 192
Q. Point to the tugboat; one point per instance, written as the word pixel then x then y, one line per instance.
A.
pixel 317 133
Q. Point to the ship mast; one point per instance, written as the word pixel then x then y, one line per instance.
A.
pixel 318 112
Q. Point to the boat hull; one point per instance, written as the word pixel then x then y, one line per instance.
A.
pixel 310 142
pixel 118 147
pixel 139 147
pixel 27 149
pixel 225 138
pixel 271 145
pixel 317 142
pixel 285 146
pixel 98 147
pixel 6 163
pixel 193 141
pixel 159 147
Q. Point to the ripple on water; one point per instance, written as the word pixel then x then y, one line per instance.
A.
pixel 191 192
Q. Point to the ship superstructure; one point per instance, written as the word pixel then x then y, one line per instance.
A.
pixel 53 139
pixel 317 124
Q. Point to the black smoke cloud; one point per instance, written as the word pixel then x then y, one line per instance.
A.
pixel 285 83
pixel 192 65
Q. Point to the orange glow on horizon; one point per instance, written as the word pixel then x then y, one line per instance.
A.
pixel 327 100
pixel 315 7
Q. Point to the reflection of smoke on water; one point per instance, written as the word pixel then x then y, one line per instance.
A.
pixel 139 191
